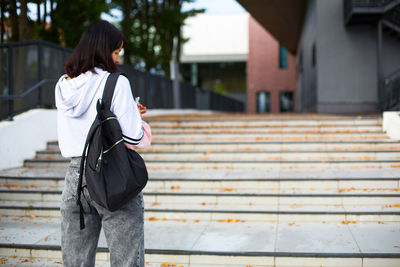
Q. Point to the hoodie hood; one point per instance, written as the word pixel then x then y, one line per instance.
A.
pixel 74 96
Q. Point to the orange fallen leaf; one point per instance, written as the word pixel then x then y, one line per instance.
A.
pixel 153 219
pixel 227 189
pixel 164 219
pixel 46 238
pixel 155 204
pixel 26 260
pixel 196 221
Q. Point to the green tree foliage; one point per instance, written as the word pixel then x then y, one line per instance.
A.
pixel 64 24
pixel 71 18
pixel 150 26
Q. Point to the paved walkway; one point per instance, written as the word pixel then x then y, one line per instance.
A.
pixel 235 190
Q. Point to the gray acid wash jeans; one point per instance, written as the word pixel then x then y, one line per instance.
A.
pixel 123 228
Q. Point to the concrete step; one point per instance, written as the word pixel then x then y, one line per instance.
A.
pixel 266 137
pixel 248 123
pixel 265 156
pixel 195 243
pixel 259 117
pixel 264 146
pixel 274 174
pixel 159 165
pixel 228 196
pixel 229 213
pixel 271 130
pixel 252 156
pixel 242 185
pixel 226 184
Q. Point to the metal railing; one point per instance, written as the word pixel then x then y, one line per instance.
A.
pixel 368 11
pixel 367 3
pixel 29 71
pixel 156 92
pixel 392 91
pixel 393 16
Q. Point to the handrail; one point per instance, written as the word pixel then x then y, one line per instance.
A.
pixel 34 42
pixel 374 3
pixel 393 74
pixel 390 5
pixel 392 90
pixel 27 92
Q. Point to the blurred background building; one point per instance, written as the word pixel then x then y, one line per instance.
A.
pixel 232 54
pixel 348 51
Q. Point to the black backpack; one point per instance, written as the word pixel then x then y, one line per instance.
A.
pixel 114 174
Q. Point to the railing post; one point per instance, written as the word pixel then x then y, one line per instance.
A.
pixel 40 74
pixel 381 87
pixel 10 101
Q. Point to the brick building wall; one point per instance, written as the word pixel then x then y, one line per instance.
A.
pixel 263 72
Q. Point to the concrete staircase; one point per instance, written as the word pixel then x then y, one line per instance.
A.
pixel 235 190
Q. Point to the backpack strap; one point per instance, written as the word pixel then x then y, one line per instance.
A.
pixel 92 130
pixel 109 89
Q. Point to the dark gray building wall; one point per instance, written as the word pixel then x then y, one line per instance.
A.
pixel 346 60
pixel 306 73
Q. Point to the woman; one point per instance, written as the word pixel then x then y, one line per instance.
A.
pixel 77 92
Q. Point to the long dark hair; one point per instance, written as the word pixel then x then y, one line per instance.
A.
pixel 95 48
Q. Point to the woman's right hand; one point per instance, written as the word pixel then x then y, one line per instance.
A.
pixel 142 109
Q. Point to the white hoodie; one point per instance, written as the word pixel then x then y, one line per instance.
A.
pixel 76 105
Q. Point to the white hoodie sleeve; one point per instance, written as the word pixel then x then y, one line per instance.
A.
pixel 125 109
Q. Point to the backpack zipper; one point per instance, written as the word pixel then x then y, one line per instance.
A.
pixel 98 164
pixel 109 118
